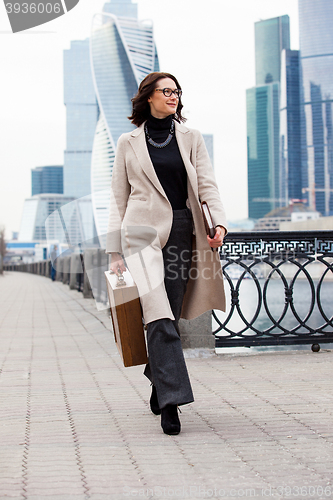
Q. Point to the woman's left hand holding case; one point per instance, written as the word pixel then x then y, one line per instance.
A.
pixel 217 241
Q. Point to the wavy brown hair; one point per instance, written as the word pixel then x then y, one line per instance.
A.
pixel 140 105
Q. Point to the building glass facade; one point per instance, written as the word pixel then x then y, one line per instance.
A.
pixel 263 117
pixel 82 113
pixel 290 130
pixel 263 149
pixel 47 179
pixel 123 52
pixel 316 48
pixel 271 37
pixel 81 118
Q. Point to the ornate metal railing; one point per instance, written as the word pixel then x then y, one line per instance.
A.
pixel 279 286
pixel 280 289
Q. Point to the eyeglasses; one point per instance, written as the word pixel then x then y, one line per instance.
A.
pixel 169 92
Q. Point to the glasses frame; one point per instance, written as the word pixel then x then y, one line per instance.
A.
pixel 177 92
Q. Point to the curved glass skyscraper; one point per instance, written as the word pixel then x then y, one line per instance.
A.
pixel 122 53
pixel 316 48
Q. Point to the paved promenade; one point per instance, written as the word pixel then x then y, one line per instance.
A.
pixel 75 424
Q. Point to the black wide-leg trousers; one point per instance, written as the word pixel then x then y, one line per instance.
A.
pixel 166 368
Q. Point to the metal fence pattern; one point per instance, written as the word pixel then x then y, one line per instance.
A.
pixel 286 256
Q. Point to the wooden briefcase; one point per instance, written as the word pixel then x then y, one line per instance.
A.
pixel 126 315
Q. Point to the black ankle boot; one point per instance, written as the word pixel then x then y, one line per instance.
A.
pixel 154 402
pixel 170 421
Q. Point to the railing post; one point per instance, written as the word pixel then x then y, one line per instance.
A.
pixel 87 260
pixel 59 268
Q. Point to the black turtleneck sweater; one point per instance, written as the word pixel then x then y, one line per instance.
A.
pixel 167 161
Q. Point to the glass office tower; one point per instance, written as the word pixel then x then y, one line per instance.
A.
pixel 263 148
pixel 123 52
pixel 271 37
pixel 82 114
pixel 290 129
pixel 316 48
pixel 47 180
pixel 263 120
pixel 81 118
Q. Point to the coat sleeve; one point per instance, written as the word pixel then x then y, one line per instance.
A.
pixel 120 190
pixel 207 186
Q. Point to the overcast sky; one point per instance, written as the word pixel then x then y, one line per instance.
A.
pixel 207 44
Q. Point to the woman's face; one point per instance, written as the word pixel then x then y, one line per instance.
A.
pixel 160 105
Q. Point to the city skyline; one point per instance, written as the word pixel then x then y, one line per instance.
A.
pixel 290 131
pixel 203 113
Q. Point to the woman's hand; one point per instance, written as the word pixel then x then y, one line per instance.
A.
pixel 217 241
pixel 117 263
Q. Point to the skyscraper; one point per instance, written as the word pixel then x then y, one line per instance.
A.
pixel 82 114
pixel 263 148
pixel 316 49
pixel 263 120
pixel 271 37
pixel 290 129
pixel 47 179
pixel 81 118
pixel 123 52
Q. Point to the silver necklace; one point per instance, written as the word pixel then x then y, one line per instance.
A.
pixel 160 144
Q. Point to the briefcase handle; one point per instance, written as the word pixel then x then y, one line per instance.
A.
pixel 120 278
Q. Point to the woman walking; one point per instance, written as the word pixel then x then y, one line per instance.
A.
pixel 161 172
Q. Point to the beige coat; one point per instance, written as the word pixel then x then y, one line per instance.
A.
pixel 140 221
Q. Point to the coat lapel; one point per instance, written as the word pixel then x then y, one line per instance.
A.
pixel 138 142
pixel 184 138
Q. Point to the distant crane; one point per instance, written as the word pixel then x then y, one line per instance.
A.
pixel 312 190
pixel 291 201
pixel 277 200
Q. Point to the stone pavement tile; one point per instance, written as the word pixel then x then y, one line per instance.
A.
pixel 54 483
pixel 114 483
pixel 63 476
pixel 58 468
pixel 49 471
pixel 115 494
pixel 65 492
pixel 10 493
pixel 11 474
pixel 50 496
pixel 277 480
pixel 111 469
pixel 103 481
pixel 10 482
